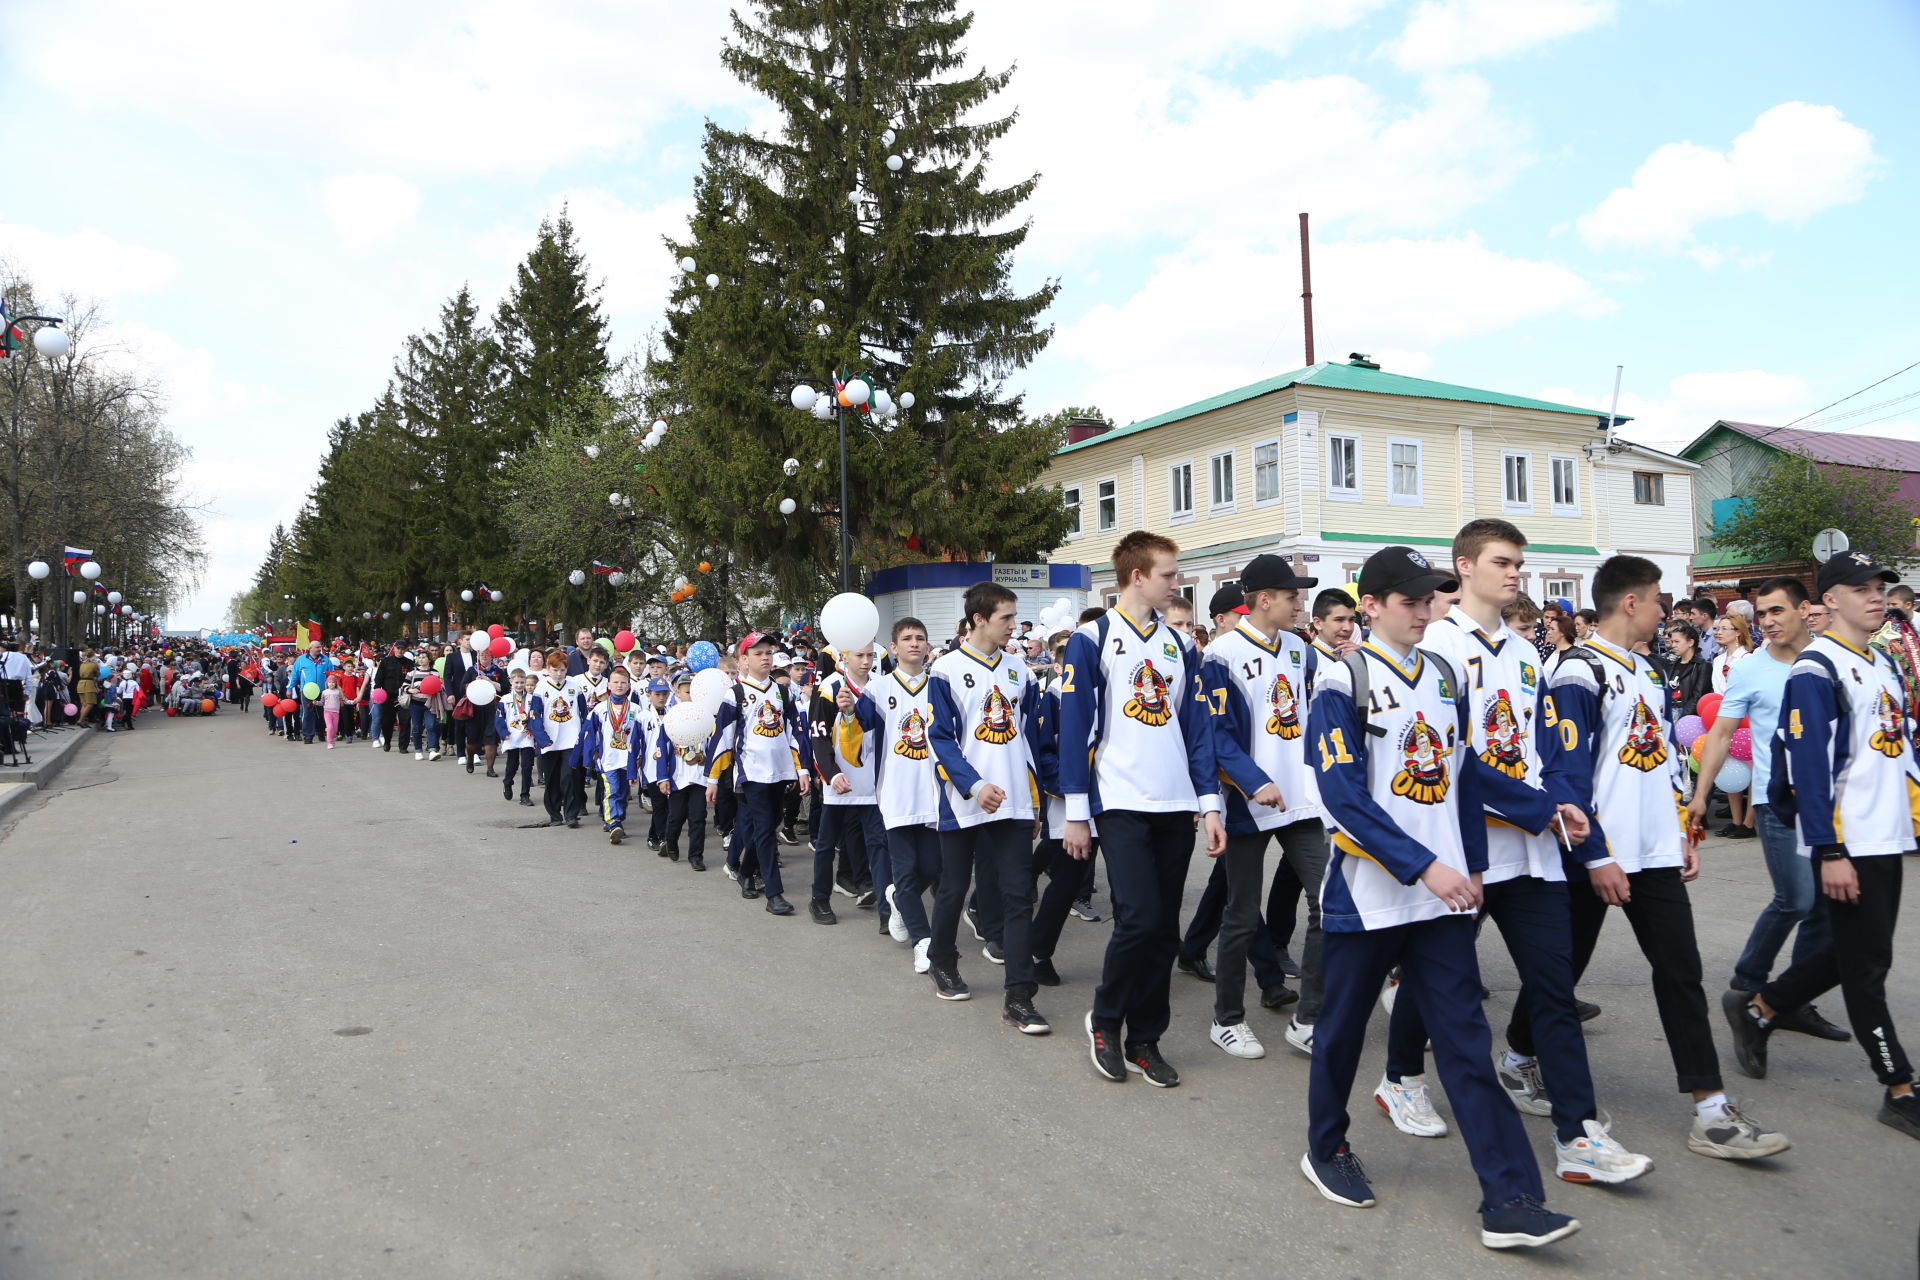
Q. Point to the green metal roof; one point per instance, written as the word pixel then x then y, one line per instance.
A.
pixel 1345 377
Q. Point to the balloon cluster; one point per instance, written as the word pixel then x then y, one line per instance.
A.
pixel 1058 616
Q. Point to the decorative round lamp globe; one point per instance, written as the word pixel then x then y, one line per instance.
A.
pixel 803 397
pixel 79 597
pixel 52 343
pixel 38 570
pixel 406 608
pixel 858 392
pixel 823 408
pixel 613 499
pixel 906 399
pixel 593 451
pixel 114 597
pixel 496 596
pixel 90 571
pixel 99 608
pixel 713 281
pixel 686 264
pixel 467 596
pixel 787 507
pixel 578 577
pixel 427 607
pixel 895 163
pixel 791 466
pixel 616 579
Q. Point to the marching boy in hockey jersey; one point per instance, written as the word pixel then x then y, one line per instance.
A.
pixel 1409 844
pixel 679 775
pixel 760 740
pixel 1843 761
pixel 1131 694
pixel 846 728
pixel 984 703
pixel 1524 886
pixel 516 725
pixel 558 714
pixel 647 773
pixel 1259 677
pixel 612 746
pixel 908 788
pixel 1606 749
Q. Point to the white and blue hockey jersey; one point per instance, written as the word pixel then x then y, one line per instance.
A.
pixel 983 719
pixel 1843 767
pixel 1259 690
pixel 760 734
pixel 1607 749
pixel 908 787
pixel 845 745
pixel 1398 792
pixel 612 742
pixel 1132 694
pixel 559 713
pixel 1503 680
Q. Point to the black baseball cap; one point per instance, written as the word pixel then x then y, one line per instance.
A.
pixel 1850 569
pixel 1228 599
pixel 1404 570
pixel 1273 573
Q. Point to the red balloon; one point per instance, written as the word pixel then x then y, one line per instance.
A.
pixel 172 711
pixel 1709 709
pixel 623 641
pixel 430 686
pixel 269 701
pixel 501 646
pixel 496 631
pixel 284 708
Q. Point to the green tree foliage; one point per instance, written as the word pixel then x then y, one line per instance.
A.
pixel 912 273
pixel 552 337
pixel 1796 498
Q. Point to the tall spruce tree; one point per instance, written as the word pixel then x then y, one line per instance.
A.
pixel 552 336
pixel 910 271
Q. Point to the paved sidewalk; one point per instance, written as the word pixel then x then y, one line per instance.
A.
pixel 276 1011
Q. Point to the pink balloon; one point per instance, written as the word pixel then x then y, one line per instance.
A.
pixel 71 710
pixel 500 647
pixel 1741 748
pixel 378 695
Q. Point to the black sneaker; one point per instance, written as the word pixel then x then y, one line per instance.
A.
pixel 527 801
pixel 1585 1010
pixel 1524 1223
pixel 697 862
pixel 1339 1178
pixel 1083 907
pixel 973 923
pixel 1044 973
pixel 1145 1060
pixel 1749 1037
pixel 947 984
pixel 787 835
pixel 993 952
pixel 1288 965
pixel 778 906
pixel 1020 1014
pixel 573 822
pixel 1808 1022
pixel 616 834
pixel 1199 968
pixel 506 792
pixel 1902 1113
pixel 653 844
pixel 845 885
pixel 1278 997
pixel 864 898
pixel 822 912
pixel 1104 1047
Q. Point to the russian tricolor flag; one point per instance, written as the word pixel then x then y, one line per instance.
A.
pixel 75 558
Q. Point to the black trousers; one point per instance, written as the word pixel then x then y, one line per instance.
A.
pixel 1857 959
pixel 657 821
pixel 686 808
pixel 1661 916
pixel 1066 884
pixel 1147 856
pixel 519 760
pixel 1001 854
pixel 561 789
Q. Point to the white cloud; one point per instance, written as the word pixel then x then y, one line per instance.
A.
pixel 1228 313
pixel 85 263
pixel 1695 401
pixel 369 209
pixel 1797 160
pixel 1443 34
pixel 432 87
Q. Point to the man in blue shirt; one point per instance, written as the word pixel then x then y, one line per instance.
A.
pixel 1754 693
pixel 311 667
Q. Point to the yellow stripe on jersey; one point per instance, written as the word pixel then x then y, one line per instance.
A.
pixel 721 763
pixel 852 739
pixel 1344 843
pixel 1913 803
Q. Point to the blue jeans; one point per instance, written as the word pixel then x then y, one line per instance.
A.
pixel 1796 901
pixel 373 718
pixel 426 727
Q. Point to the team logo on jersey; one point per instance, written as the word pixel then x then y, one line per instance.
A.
pixel 1423 770
pixel 1528 676
pixel 1149 703
pixel 996 719
pixel 1171 652
pixel 1888 739
pixel 1646 747
pixel 766 719
pixel 1505 751
pixel 1294 656
pixel 560 710
pixel 1285 720
pixel 913 735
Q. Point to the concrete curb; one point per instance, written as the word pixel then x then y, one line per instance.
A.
pixel 50 759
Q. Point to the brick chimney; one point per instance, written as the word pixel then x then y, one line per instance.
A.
pixel 1079 429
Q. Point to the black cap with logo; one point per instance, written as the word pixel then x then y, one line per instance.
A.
pixel 1850 569
pixel 1404 570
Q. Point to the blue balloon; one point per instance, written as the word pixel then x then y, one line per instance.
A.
pixel 1734 777
pixel 702 654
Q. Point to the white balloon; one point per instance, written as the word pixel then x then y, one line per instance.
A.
pixel 710 688
pixel 127 609
pixel 713 281
pixel 788 506
pixel 895 163
pixel 660 425
pixel 803 397
pixel 518 662
pixel 791 466
pixel 849 620
pixel 578 577
pixel 481 641
pixel 858 391
pixel 467 596
pixel 616 579
pixel 1063 605
pixel 906 399
pixel 688 724
pixel 481 692
pixel 687 264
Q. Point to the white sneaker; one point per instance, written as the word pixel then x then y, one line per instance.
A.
pixel 1238 1040
pixel 419 755
pixel 435 755
pixel 896 927
pixel 1407 1106
pixel 1300 1035
pixel 1524 1085
pixel 920 961
pixel 1388 993
pixel 330 746
pixel 1596 1157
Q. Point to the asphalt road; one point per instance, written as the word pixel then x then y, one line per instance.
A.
pixel 271 1011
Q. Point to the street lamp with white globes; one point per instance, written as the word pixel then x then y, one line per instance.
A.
pixel 854 394
pixel 49 340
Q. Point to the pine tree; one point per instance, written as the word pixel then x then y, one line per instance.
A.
pixel 911 272
pixel 552 336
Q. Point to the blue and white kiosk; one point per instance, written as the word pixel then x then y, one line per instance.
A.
pixel 933 592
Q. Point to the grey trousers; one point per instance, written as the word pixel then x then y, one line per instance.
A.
pixel 1303 846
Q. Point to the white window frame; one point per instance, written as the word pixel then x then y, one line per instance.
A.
pixel 1555 461
pixel 1258 445
pixel 1113 599
pixel 1099 504
pixel 1178 515
pixel 1660 479
pixel 1507 503
pixel 1337 493
pixel 1418 497
pixel 1070 496
pixel 1215 504
pixel 1560 589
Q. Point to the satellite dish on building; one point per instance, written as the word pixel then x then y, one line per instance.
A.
pixel 1829 543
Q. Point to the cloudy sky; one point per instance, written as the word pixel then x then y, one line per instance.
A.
pixel 1513 194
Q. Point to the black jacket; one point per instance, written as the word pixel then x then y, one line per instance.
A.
pixel 1687 683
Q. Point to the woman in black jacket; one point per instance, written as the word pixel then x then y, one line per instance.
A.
pixel 1688 677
